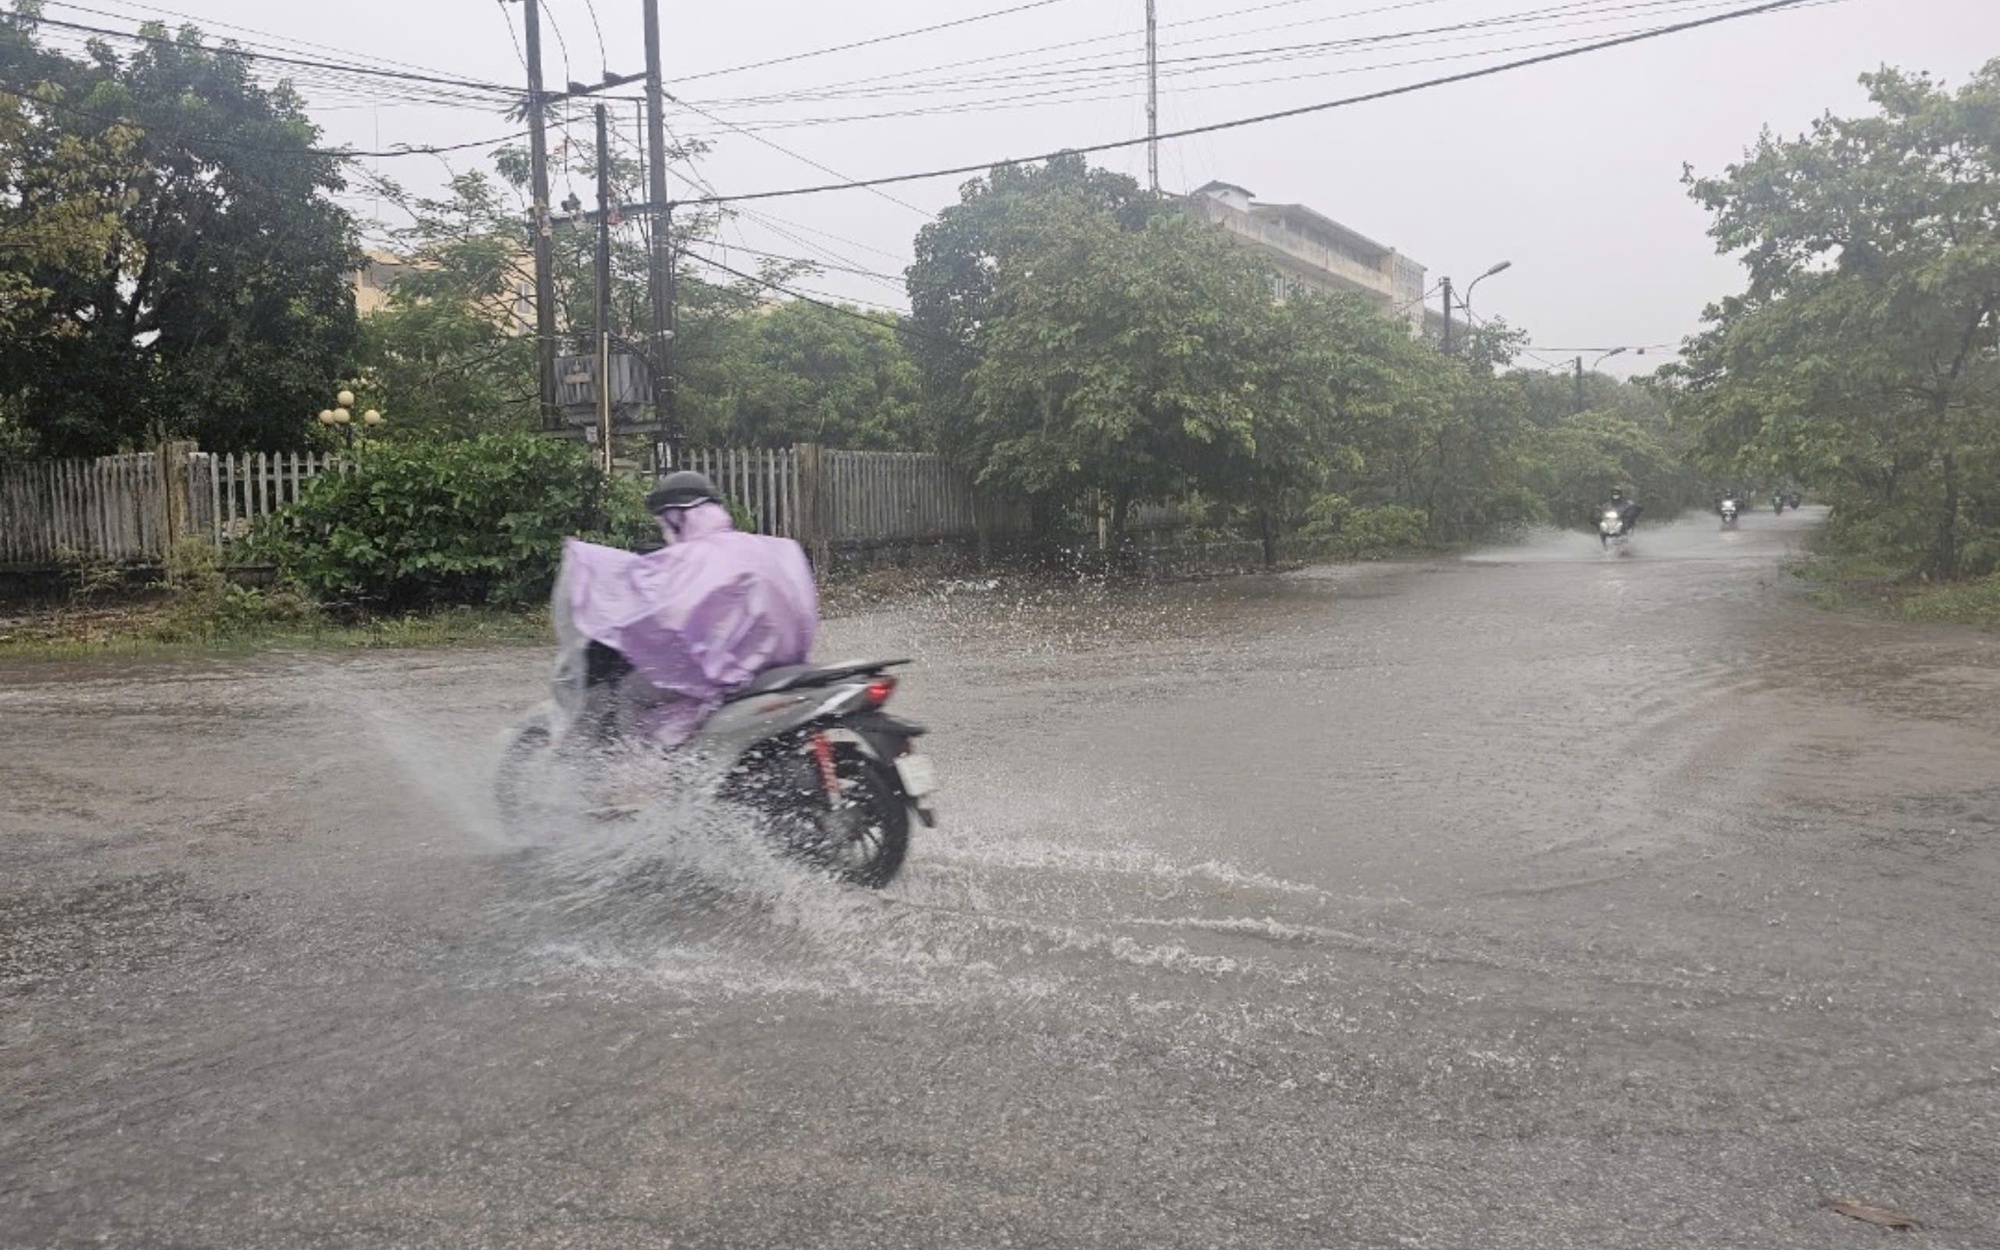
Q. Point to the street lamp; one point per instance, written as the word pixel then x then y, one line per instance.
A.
pixel 1465 302
pixel 1616 351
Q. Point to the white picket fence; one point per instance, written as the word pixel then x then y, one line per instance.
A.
pixel 763 482
pixel 135 507
pixel 230 494
pixel 854 498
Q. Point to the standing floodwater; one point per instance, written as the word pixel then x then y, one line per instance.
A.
pixel 1540 898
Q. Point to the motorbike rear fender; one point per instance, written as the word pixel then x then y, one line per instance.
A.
pixel 887 736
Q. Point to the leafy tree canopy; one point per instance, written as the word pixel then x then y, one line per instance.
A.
pixel 218 305
pixel 1861 356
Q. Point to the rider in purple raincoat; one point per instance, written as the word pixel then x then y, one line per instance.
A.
pixel 695 620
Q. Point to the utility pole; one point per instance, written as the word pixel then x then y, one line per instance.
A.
pixel 604 287
pixel 1579 384
pixel 1152 97
pixel 660 274
pixel 538 220
pixel 1447 316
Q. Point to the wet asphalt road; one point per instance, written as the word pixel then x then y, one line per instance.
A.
pixel 1538 899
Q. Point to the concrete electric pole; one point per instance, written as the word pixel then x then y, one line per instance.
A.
pixel 538 221
pixel 660 272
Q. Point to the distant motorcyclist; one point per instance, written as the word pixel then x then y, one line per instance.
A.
pixel 673 633
pixel 1628 510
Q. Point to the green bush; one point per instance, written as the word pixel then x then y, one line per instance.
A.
pixel 427 523
pixel 1364 533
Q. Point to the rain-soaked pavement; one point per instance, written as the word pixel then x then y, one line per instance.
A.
pixel 1539 899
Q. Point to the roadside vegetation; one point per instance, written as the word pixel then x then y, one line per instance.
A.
pixel 1074 343
pixel 1863 357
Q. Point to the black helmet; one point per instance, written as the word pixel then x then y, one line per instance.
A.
pixel 685 489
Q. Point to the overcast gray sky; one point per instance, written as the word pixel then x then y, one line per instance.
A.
pixel 1570 170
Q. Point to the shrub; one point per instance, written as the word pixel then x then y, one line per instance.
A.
pixel 1364 533
pixel 89 575
pixel 425 523
pixel 202 603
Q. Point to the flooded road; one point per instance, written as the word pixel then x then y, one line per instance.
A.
pixel 1542 898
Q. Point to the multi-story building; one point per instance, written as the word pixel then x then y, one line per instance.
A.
pixel 1310 251
pixel 513 309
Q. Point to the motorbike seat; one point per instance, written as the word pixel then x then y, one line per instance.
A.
pixel 796 676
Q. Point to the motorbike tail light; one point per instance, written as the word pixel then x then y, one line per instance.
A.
pixel 879 690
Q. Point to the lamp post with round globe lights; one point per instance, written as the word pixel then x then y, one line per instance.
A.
pixel 341 417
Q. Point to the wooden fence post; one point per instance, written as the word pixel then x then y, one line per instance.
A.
pixel 176 488
pixel 815 510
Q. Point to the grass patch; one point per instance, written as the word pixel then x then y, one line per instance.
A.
pixel 1842 583
pixel 1962 603
pixel 159 629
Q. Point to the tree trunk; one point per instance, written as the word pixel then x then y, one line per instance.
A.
pixel 1945 556
pixel 1267 528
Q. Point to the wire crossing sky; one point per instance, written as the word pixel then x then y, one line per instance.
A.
pixel 1568 167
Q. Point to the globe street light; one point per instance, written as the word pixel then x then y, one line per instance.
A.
pixel 342 418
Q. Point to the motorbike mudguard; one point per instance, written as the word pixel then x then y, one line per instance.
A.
pixel 887 736
pixel 884 733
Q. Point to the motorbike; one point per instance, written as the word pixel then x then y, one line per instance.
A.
pixel 1613 529
pixel 1729 511
pixel 1777 505
pixel 831 776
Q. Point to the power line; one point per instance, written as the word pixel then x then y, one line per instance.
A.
pixel 868 43
pixel 1069 95
pixel 276 58
pixel 1236 123
pixel 890 279
pixel 519 53
pixel 1583 12
pixel 20 92
pixel 603 57
pixel 280 43
pixel 1095 39
pixel 900 325
pixel 805 160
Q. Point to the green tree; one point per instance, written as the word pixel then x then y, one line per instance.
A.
pixel 1861 358
pixel 221 309
pixel 1121 358
pixel 1331 376
pixel 449 354
pixel 802 372
pixel 955 280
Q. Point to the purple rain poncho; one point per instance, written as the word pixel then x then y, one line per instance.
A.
pixel 697 619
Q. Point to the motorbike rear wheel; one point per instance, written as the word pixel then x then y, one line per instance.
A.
pixel 860 833
pixel 864 835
